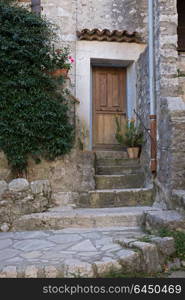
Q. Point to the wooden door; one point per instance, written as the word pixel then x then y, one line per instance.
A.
pixel 109 101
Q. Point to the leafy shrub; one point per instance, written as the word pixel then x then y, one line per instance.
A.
pixel 33 112
pixel 132 137
pixel 179 238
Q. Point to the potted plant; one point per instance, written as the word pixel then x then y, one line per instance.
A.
pixel 61 62
pixel 132 138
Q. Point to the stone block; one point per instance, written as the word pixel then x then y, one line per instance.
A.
pixel 5 227
pixel 18 185
pixel 76 268
pixel 50 272
pixel 10 272
pixel 155 220
pixel 31 272
pixel 3 187
pixel 165 246
pixel 150 262
pixel 40 186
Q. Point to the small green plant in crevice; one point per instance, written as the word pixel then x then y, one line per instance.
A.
pixel 179 238
pixel 145 239
pixel 179 74
pixel 122 274
pixel 34 109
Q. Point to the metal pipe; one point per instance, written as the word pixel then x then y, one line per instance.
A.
pixel 153 119
pixel 151 54
pixel 36 6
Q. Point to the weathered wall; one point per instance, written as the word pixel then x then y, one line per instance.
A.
pixel 69 175
pixel 20 197
pixel 181 74
pixel 170 108
pixel 143 110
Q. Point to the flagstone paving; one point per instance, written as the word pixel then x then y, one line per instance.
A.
pixel 62 252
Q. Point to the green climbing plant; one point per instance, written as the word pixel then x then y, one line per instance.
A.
pixel 34 112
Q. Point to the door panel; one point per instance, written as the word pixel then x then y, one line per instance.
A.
pixel 109 101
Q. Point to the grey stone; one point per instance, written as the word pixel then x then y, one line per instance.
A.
pixel 106 266
pixel 177 274
pixel 9 253
pixel 175 264
pixel 18 185
pixel 183 264
pixel 31 272
pixel 5 244
pixel 3 187
pixel 40 186
pixel 33 244
pixel 165 245
pixel 10 272
pixel 77 268
pixel 151 262
pixel 87 245
pixel 51 272
pixel 63 239
pixel 33 254
pixel 171 219
pixel 31 235
pixel 4 227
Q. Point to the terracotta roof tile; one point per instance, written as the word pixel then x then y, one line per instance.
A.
pixel 107 35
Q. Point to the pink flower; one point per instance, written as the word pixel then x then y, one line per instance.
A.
pixel 71 59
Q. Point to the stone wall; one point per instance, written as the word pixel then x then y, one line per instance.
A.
pixel 143 109
pixel 181 74
pixel 170 108
pixel 69 175
pixel 20 197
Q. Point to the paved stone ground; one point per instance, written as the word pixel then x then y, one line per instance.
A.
pixel 62 253
pixel 177 274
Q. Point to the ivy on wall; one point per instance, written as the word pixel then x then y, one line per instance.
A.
pixel 33 112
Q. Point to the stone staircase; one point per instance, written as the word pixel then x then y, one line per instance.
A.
pixel 103 234
pixel 119 199
pixel 120 182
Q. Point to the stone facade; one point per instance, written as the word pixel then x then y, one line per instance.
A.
pixel 20 197
pixel 69 176
pixel 170 108
pixel 74 173
pixel 143 109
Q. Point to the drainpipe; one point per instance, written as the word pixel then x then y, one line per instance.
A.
pixel 153 119
pixel 36 6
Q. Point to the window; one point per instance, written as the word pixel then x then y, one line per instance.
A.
pixel 181 24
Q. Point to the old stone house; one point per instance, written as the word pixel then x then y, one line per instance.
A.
pixel 130 63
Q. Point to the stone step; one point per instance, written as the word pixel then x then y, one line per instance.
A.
pixel 117 170
pixel 119 181
pixel 111 155
pixel 153 221
pixel 178 200
pixel 110 162
pixel 80 253
pixel 81 218
pixel 117 198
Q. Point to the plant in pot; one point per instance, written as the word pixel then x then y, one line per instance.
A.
pixel 132 138
pixel 61 62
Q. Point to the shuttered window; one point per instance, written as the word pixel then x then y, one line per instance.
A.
pixel 181 24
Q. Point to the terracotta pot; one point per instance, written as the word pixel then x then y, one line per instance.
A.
pixel 59 72
pixel 133 152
